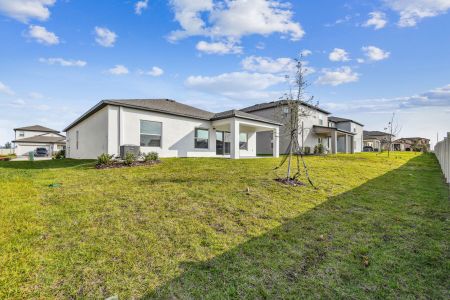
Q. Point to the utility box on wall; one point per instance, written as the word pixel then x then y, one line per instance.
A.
pixel 124 149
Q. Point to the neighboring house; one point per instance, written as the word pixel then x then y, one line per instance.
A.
pixel 340 135
pixel 378 140
pixel 27 139
pixel 168 127
pixel 348 125
pixel 412 144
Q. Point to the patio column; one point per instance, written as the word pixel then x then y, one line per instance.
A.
pixel 352 144
pixel 276 142
pixel 234 145
pixel 333 142
pixel 346 143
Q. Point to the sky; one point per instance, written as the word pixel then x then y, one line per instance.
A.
pixel 365 60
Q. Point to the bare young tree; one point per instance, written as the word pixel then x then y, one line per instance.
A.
pixel 392 129
pixel 291 111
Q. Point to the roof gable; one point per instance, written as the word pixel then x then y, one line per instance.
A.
pixel 36 128
pixel 267 105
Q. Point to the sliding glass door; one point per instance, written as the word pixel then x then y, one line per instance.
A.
pixel 223 142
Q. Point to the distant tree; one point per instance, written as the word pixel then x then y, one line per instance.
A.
pixel 392 129
pixel 7 145
pixel 293 108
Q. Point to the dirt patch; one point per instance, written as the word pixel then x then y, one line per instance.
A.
pixel 120 164
pixel 290 181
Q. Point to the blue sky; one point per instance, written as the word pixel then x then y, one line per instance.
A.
pixel 366 59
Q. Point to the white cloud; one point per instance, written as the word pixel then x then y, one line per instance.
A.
pixel 413 11
pixel 5 89
pixel 236 84
pixel 439 97
pixel 377 20
pixel 268 65
pixel 374 53
pixel 63 62
pixel 42 35
pixel 218 47
pixel 140 6
pixel 118 70
pixel 24 10
pixel 284 65
pixel 105 37
pixel 337 76
pixel 155 72
pixel 338 54
pixel 305 52
pixel 231 20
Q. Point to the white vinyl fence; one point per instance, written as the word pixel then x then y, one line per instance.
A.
pixel 442 150
pixel 6 151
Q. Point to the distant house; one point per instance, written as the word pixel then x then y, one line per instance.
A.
pixel 168 127
pixel 377 140
pixel 27 139
pixel 317 127
pixel 412 144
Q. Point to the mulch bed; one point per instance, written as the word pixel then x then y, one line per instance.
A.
pixel 290 181
pixel 120 164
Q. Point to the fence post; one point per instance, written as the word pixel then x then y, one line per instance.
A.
pixel 447 153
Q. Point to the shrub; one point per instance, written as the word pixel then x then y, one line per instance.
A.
pixel 130 158
pixel 60 154
pixel 104 159
pixel 151 156
pixel 318 149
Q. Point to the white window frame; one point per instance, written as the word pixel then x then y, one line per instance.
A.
pixel 195 138
pixel 160 135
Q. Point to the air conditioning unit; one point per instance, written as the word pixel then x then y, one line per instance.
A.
pixel 124 149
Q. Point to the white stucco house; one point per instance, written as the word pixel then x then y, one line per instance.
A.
pixel 168 127
pixel 27 139
pixel 337 135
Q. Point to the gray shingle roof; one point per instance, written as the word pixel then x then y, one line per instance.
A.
pixel 340 120
pixel 36 128
pixel 240 114
pixel 374 134
pixel 169 106
pixel 267 105
pixel 42 139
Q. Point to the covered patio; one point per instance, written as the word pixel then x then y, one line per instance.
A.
pixel 236 134
pixel 340 141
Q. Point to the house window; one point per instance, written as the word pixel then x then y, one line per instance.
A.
pixel 201 138
pixel 320 120
pixel 151 133
pixel 319 140
pixel 354 129
pixel 285 111
pixel 243 141
pixel 21 134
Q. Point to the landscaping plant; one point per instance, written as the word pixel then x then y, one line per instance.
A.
pixel 104 159
pixel 151 156
pixel 130 158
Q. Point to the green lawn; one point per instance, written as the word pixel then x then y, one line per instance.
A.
pixel 377 227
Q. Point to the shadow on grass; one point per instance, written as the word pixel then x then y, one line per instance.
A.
pixel 48 164
pixel 383 239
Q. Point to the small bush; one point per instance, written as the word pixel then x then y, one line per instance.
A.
pixel 104 159
pixel 151 156
pixel 318 149
pixel 130 158
pixel 60 154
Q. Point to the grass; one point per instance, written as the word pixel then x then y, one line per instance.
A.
pixel 377 227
